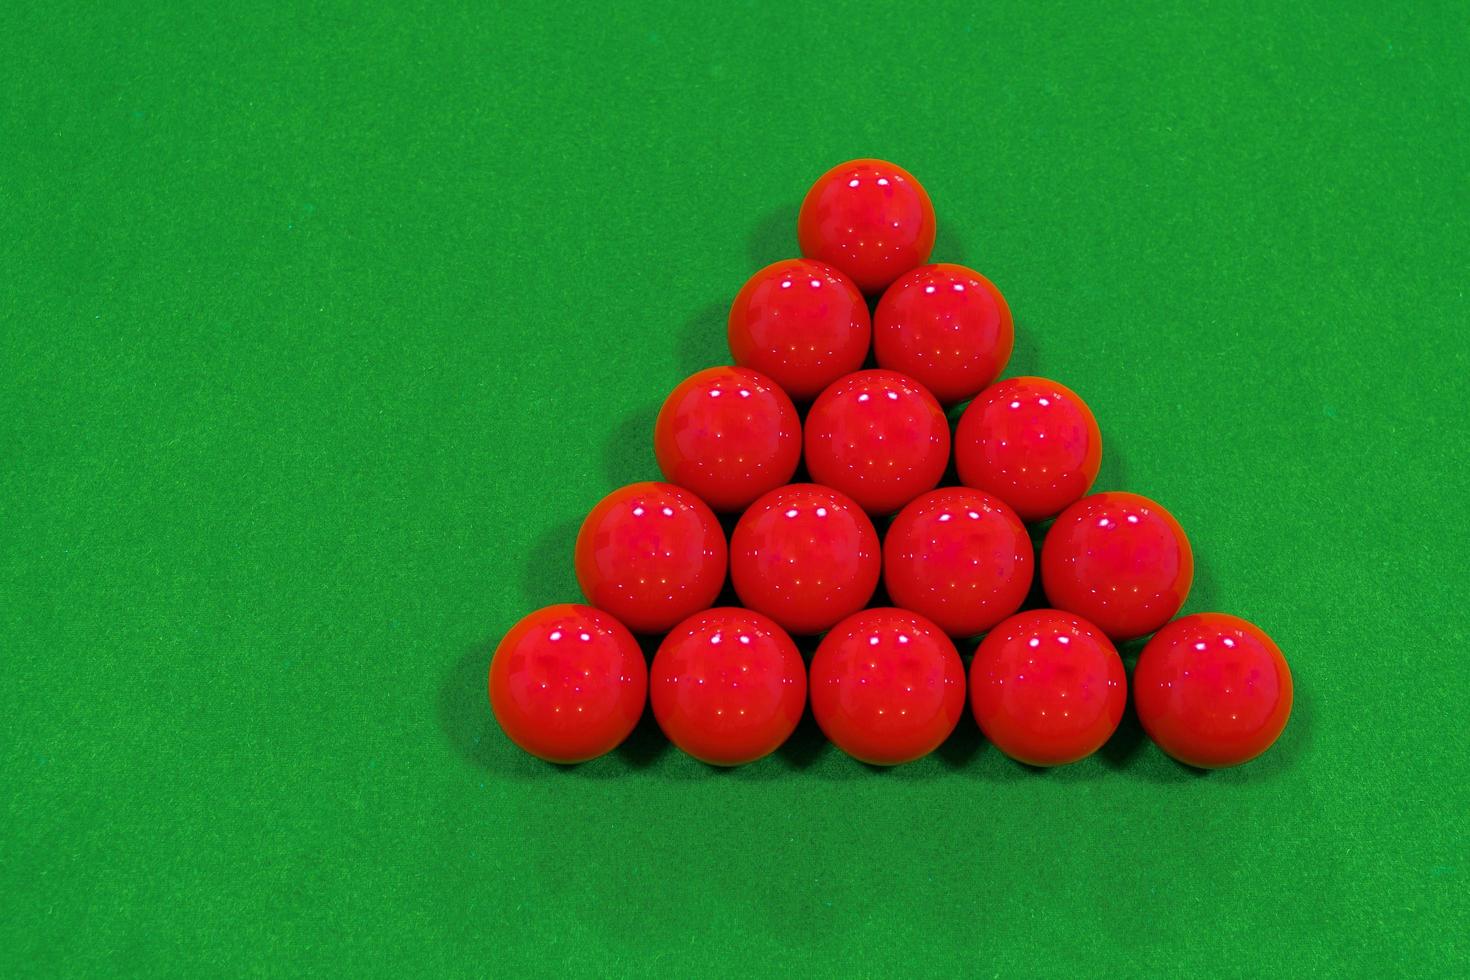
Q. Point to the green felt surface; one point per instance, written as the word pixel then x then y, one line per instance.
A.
pixel 319 331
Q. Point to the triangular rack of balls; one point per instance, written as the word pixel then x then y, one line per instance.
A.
pixel 728 685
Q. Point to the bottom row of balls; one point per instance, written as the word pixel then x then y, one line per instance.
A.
pixel 728 686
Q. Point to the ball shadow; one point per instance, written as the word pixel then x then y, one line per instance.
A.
pixel 1120 750
pixel 949 247
pixel 1025 354
pixel 628 455
pixel 549 575
pixel 1204 594
pixel 964 743
pixel 870 362
pixel 951 477
pixel 774 237
pixel 464 710
pixel 644 746
pixel 1128 748
pixel 1296 740
pixel 1113 473
pixel 702 342
pixel 1036 596
pixel 806 746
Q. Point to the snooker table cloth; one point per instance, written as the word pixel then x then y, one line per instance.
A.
pixel 322 327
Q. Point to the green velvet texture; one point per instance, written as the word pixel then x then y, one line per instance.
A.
pixel 321 329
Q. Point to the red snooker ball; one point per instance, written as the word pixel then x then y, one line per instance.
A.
pixel 729 435
pixel 887 686
pixel 947 327
pixel 1031 442
pixel 878 437
pixel 959 557
pixel 1047 688
pixel 1212 690
pixel 805 555
pixel 1118 560
pixel 651 554
pixel 869 218
pixel 728 686
pixel 801 323
pixel 567 683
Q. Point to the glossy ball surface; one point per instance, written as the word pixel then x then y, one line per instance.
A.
pixel 869 218
pixel 651 554
pixel 1047 688
pixel 878 437
pixel 947 327
pixel 1118 560
pixel 887 686
pixel 805 555
pixel 1031 442
pixel 959 557
pixel 728 434
pixel 1212 690
pixel 728 686
pixel 801 323
pixel 567 683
